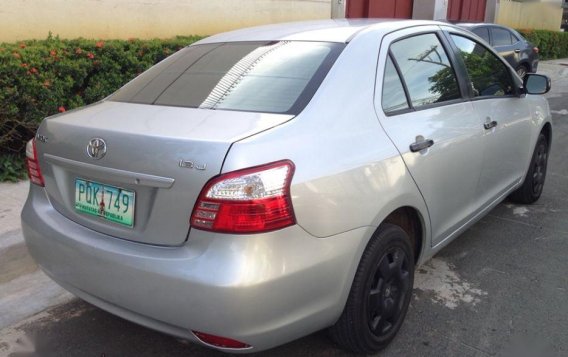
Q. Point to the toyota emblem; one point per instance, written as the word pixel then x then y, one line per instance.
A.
pixel 96 148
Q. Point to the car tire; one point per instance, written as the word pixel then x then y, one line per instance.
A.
pixel 380 293
pixel 533 184
pixel 522 70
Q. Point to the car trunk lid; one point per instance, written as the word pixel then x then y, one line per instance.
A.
pixel 162 155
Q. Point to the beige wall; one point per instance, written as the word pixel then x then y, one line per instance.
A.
pixel 33 19
pixel 530 15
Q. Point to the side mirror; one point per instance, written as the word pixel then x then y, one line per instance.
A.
pixel 536 83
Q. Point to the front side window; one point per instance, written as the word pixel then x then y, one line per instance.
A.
pixel 425 69
pixel 488 75
pixel 271 77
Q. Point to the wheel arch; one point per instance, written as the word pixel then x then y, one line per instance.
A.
pixel 547 131
pixel 525 63
pixel 412 222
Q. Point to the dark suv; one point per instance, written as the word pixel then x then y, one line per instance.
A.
pixel 520 53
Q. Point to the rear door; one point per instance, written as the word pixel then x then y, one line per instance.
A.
pixel 436 130
pixel 506 44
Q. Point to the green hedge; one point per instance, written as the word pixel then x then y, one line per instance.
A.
pixel 551 44
pixel 39 78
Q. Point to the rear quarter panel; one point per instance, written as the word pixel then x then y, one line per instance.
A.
pixel 348 173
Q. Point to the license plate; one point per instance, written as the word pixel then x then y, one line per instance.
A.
pixel 109 202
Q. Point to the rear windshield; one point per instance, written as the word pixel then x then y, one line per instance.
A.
pixel 270 77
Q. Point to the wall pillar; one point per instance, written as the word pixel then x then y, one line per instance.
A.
pixel 491 10
pixel 430 9
pixel 338 9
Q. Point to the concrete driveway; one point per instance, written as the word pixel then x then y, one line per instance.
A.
pixel 499 289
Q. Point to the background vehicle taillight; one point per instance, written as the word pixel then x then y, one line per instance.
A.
pixel 535 49
pixel 34 172
pixel 253 200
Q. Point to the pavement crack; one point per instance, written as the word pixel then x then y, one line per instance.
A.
pixel 467 345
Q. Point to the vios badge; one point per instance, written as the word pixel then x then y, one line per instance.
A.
pixel 96 148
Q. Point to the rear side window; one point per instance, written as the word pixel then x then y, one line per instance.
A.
pixel 271 77
pixel 482 32
pixel 488 75
pixel 425 69
pixel 501 37
pixel 394 98
pixel 515 37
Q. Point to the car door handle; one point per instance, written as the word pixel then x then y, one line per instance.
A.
pixel 421 144
pixel 490 124
pixel 517 51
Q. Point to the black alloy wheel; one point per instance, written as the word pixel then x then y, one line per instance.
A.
pixel 522 71
pixel 380 293
pixel 539 168
pixel 533 185
pixel 389 286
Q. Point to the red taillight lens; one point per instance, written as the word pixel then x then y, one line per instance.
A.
pixel 219 341
pixel 253 200
pixel 535 49
pixel 34 172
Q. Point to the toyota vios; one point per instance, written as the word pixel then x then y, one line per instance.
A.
pixel 267 183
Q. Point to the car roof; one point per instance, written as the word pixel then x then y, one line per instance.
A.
pixel 471 26
pixel 336 30
pixel 479 24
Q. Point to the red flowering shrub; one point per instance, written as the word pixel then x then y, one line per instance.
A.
pixel 41 78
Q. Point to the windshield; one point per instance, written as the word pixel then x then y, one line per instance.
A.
pixel 271 77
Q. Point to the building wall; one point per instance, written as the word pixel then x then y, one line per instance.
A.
pixel 34 19
pixel 545 15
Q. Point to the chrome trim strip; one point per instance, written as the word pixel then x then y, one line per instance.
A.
pixel 117 175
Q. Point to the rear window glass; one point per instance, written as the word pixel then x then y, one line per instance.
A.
pixel 271 77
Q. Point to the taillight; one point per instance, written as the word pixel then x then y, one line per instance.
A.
pixel 34 172
pixel 219 341
pixel 252 200
pixel 535 49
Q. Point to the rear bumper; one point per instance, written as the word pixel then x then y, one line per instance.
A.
pixel 263 290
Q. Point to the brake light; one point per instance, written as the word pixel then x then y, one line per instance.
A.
pixel 219 341
pixel 535 49
pixel 252 200
pixel 32 163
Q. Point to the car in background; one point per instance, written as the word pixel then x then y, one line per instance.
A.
pixel 520 53
pixel 267 183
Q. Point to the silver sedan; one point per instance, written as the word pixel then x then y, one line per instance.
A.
pixel 263 184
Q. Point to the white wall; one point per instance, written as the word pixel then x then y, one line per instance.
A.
pixel 545 15
pixel 29 19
